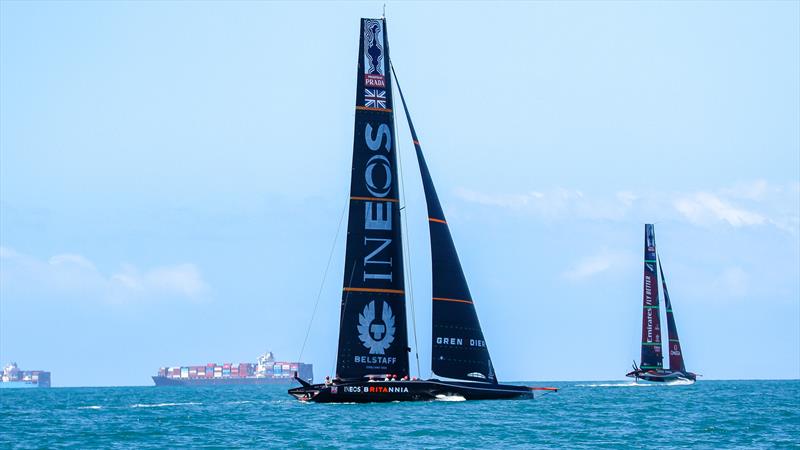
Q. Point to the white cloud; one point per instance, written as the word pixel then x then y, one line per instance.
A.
pixel 754 190
pixel 182 279
pixel 67 276
pixel 597 264
pixel 704 208
pixel 627 198
pixel 746 204
pixel 553 204
pixel 68 259
pixel 757 203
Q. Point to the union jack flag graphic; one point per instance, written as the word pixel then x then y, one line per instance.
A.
pixel 375 98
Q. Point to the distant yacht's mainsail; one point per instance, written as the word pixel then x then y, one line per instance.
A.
pixel 652 357
pixel 372 332
pixel 674 344
pixel 459 349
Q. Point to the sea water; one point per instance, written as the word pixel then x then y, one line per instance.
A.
pixel 614 414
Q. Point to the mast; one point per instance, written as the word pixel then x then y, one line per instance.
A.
pixel 652 357
pixel 674 344
pixel 372 330
pixel 458 348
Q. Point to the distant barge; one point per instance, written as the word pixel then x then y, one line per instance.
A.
pixel 265 371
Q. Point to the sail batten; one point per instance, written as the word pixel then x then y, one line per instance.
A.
pixel 652 356
pixel 372 333
pixel 459 349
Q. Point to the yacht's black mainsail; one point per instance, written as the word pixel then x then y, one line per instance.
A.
pixel 458 347
pixel 372 332
pixel 372 361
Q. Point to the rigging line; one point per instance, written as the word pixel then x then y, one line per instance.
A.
pixel 324 277
pixel 407 255
pixel 400 163
pixel 341 315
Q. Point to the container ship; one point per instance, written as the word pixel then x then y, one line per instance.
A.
pixel 15 378
pixel 265 371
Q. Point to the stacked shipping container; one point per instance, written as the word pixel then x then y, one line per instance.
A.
pixel 267 370
pixel 229 370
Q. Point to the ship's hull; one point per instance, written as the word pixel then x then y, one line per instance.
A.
pixel 394 391
pixel 166 381
pixel 22 385
pixel 661 376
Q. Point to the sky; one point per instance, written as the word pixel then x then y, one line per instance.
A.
pixel 172 175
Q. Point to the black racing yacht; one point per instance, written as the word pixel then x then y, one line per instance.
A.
pixel 651 367
pixel 373 354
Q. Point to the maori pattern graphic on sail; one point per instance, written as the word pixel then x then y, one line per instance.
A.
pixel 374 61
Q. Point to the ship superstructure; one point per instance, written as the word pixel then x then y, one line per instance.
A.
pixel 13 377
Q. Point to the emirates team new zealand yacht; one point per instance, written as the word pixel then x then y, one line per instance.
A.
pixel 652 365
pixel 373 356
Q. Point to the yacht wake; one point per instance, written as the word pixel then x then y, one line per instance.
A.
pixel 449 398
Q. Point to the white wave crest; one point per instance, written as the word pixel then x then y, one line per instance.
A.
pixel 90 407
pixel 239 402
pixel 627 384
pixel 680 382
pixel 161 405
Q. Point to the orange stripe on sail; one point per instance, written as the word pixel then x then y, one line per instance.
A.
pixel 415 142
pixel 367 108
pixel 442 299
pixel 376 199
pixel 437 220
pixel 379 291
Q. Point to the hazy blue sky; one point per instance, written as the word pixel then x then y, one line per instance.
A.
pixel 172 174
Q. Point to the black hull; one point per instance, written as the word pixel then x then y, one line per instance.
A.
pixel 403 391
pixel 661 376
